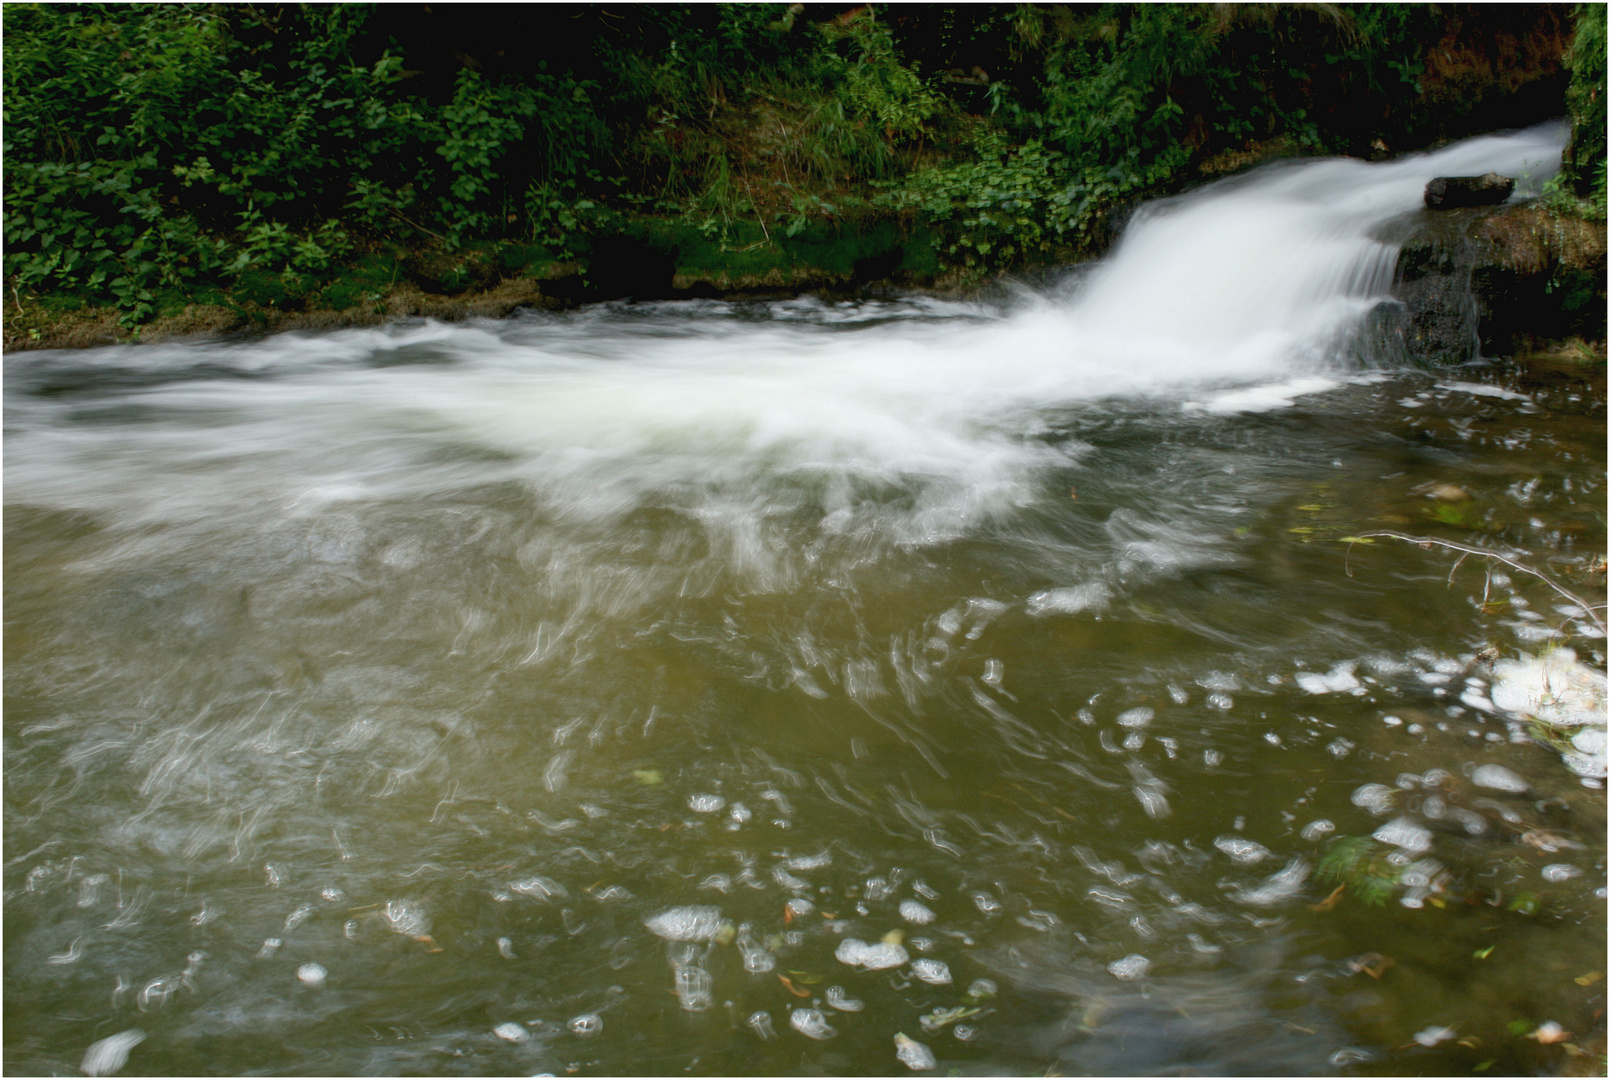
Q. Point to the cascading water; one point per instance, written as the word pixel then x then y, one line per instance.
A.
pixel 429 698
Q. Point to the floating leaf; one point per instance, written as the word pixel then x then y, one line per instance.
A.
pixel 648 776
pixel 1329 901
pixel 1354 540
pixel 1482 954
pixel 1524 904
pixel 1589 979
pixel 792 989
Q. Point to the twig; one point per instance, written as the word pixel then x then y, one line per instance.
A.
pixel 1469 549
pixel 418 226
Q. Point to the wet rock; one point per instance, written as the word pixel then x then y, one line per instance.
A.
pixel 1493 280
pixel 1451 192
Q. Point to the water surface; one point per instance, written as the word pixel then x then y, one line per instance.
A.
pixel 618 692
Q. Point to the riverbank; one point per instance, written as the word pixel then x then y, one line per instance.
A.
pixel 1526 277
pixel 228 169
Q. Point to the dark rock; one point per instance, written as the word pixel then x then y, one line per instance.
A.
pixel 1488 282
pixel 1451 192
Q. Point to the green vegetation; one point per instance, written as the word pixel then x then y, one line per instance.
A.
pixel 1584 171
pixel 159 154
pixel 1360 865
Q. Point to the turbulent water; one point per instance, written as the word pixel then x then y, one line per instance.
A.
pixel 813 687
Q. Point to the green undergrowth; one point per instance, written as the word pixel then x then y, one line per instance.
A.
pixel 291 156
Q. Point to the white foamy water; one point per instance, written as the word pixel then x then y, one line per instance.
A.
pixel 1240 288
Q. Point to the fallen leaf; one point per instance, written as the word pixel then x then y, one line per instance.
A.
pixel 1329 901
pixel 792 989
pixel 1589 979
pixel 1372 964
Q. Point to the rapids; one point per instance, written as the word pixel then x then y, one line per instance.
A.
pixel 858 687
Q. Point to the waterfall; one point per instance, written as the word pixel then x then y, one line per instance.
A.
pixel 1277 265
pixel 1232 297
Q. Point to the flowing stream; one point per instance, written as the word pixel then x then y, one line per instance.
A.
pixel 806 687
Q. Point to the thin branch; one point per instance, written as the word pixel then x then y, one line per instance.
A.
pixel 1469 549
pixel 418 226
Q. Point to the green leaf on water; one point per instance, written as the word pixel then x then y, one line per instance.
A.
pixel 1525 904
pixel 1485 1065
pixel 648 776
pixel 1519 1027
pixel 1482 954
pixel 1354 540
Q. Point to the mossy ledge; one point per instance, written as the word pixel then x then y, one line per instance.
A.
pixel 1523 277
pixel 1518 278
pixel 644 258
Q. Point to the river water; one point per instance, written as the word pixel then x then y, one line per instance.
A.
pixel 808 687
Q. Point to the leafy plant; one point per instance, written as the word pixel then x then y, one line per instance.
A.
pixel 1360 864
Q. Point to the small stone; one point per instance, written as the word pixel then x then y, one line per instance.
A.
pixel 312 974
pixel 512 1032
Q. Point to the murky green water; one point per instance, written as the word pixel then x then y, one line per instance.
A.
pixel 459 746
pixel 798 688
